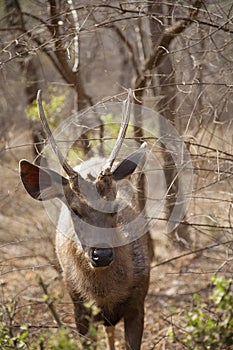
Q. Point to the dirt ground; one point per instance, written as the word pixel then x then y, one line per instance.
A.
pixel 27 250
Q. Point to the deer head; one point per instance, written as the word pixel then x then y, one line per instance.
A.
pixel 78 193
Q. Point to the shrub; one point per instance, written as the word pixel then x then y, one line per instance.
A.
pixel 209 325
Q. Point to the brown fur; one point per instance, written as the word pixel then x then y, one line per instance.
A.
pixel 118 290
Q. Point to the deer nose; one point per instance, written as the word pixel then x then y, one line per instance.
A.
pixel 101 257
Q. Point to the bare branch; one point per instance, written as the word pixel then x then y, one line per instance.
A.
pixel 161 49
pixel 61 54
pixel 76 38
pixel 129 47
pixel 192 252
pixel 49 301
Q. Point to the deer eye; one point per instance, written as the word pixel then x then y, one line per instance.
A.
pixel 76 212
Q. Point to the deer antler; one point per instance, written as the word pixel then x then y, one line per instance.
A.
pixel 124 125
pixel 68 169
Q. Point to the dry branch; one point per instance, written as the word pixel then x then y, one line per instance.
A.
pixel 48 300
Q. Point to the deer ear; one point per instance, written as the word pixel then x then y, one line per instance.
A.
pixel 129 164
pixel 40 183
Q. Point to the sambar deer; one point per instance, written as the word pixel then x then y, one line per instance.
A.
pixel 115 277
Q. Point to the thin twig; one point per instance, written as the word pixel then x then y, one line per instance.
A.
pixel 48 300
pixel 196 251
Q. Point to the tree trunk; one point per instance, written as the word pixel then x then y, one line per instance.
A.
pixel 166 107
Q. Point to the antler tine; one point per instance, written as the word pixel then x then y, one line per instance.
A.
pixel 68 169
pixel 124 125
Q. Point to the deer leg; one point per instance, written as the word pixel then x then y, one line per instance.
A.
pixel 81 317
pixel 134 323
pixel 110 337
